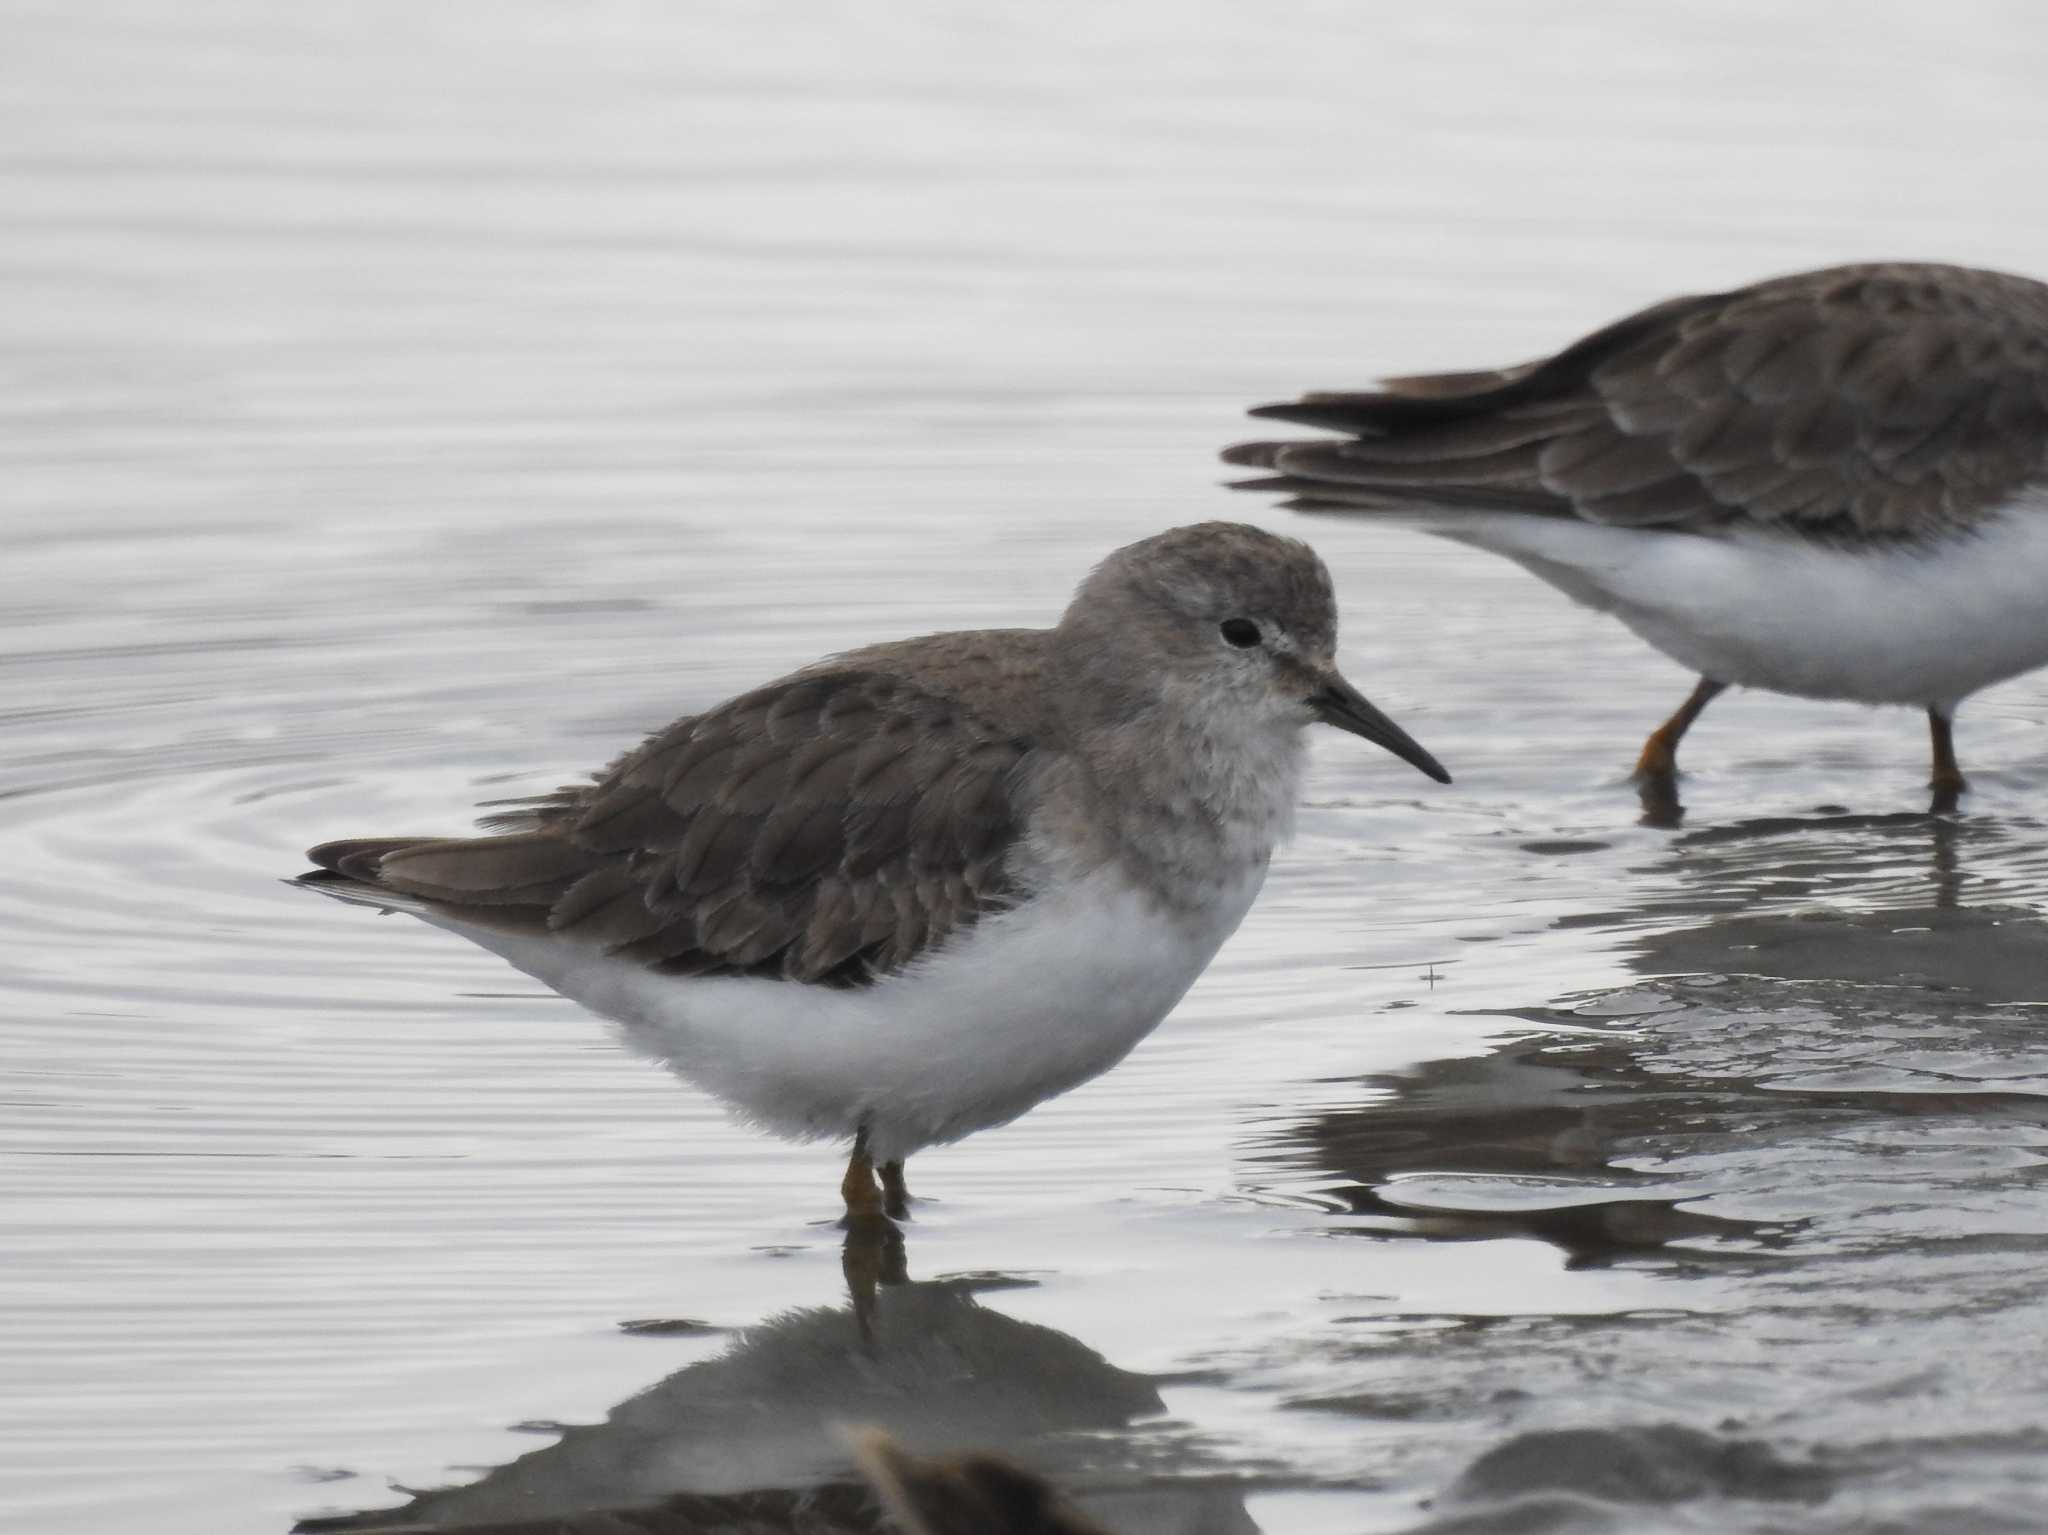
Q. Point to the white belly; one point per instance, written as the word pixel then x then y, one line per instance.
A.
pixel 1025 1005
pixel 1923 624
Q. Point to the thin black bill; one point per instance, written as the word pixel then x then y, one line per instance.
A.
pixel 1342 705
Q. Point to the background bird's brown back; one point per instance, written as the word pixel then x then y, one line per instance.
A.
pixel 1879 399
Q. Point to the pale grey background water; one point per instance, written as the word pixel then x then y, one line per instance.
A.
pixel 407 404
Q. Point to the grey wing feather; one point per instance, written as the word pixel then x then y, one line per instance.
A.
pixel 826 828
pixel 1874 400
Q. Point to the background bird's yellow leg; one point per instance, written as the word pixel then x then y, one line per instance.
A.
pixel 1947 780
pixel 1660 752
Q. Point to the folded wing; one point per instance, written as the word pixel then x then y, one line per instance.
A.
pixel 827 828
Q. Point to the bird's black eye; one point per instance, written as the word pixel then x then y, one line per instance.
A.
pixel 1241 632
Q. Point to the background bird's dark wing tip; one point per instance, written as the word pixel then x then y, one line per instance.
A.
pixel 1253 455
pixel 1303 412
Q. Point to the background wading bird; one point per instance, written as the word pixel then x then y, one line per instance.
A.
pixel 1833 484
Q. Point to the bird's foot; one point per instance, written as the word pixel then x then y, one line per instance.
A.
pixel 1658 794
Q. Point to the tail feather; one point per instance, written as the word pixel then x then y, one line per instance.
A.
pixel 1420 454
pixel 1489 440
pixel 519 869
pixel 359 857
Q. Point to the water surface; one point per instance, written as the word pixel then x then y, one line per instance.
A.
pixel 408 407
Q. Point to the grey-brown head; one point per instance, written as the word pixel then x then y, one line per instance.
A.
pixel 1221 619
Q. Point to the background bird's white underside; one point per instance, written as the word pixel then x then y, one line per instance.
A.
pixel 1924 623
pixel 1025 1005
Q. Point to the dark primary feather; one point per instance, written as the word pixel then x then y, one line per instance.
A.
pixel 1894 399
pixel 826 828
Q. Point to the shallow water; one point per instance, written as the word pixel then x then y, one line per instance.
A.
pixel 407 406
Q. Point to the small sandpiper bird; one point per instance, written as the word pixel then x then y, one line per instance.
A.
pixel 911 891
pixel 1833 484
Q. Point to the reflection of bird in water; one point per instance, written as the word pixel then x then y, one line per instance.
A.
pixel 1524 1142
pixel 912 891
pixel 1868 901
pixel 965 1493
pixel 1833 485
pixel 753 1439
pixel 1548 1480
pixel 1887 866
pixel 972 1494
pixel 1800 986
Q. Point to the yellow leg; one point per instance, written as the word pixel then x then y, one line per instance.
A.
pixel 1947 780
pixel 858 1188
pixel 895 1192
pixel 1660 752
